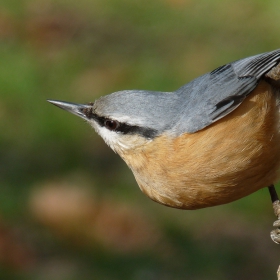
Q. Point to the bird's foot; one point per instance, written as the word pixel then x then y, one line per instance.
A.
pixel 275 234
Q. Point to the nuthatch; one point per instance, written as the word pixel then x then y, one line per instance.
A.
pixel 212 141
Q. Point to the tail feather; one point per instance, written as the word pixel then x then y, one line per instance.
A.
pixel 256 65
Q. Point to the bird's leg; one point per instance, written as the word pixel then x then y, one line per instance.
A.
pixel 275 234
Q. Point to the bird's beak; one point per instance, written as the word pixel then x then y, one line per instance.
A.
pixel 80 110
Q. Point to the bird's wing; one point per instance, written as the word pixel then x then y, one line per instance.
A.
pixel 216 94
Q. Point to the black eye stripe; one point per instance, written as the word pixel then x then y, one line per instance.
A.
pixel 126 128
pixel 143 131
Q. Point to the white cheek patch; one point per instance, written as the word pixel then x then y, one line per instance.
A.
pixel 111 138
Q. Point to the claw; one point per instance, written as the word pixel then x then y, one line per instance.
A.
pixel 276 208
pixel 275 235
pixel 276 223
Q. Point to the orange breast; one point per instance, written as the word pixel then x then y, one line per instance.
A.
pixel 230 159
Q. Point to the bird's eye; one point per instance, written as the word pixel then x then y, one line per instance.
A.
pixel 111 124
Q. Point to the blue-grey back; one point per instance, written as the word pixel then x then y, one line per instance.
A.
pixel 216 94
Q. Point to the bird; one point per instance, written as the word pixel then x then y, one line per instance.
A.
pixel 214 140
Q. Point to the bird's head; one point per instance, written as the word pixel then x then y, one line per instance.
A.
pixel 126 119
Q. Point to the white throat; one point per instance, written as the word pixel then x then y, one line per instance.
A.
pixel 117 141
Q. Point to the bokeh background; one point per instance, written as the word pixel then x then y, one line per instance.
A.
pixel 69 207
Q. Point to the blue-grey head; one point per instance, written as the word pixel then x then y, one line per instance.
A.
pixel 127 119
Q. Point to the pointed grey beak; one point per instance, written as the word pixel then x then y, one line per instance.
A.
pixel 80 110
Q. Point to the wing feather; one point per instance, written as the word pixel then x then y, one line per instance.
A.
pixel 216 94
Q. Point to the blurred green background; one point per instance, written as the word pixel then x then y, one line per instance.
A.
pixel 69 206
